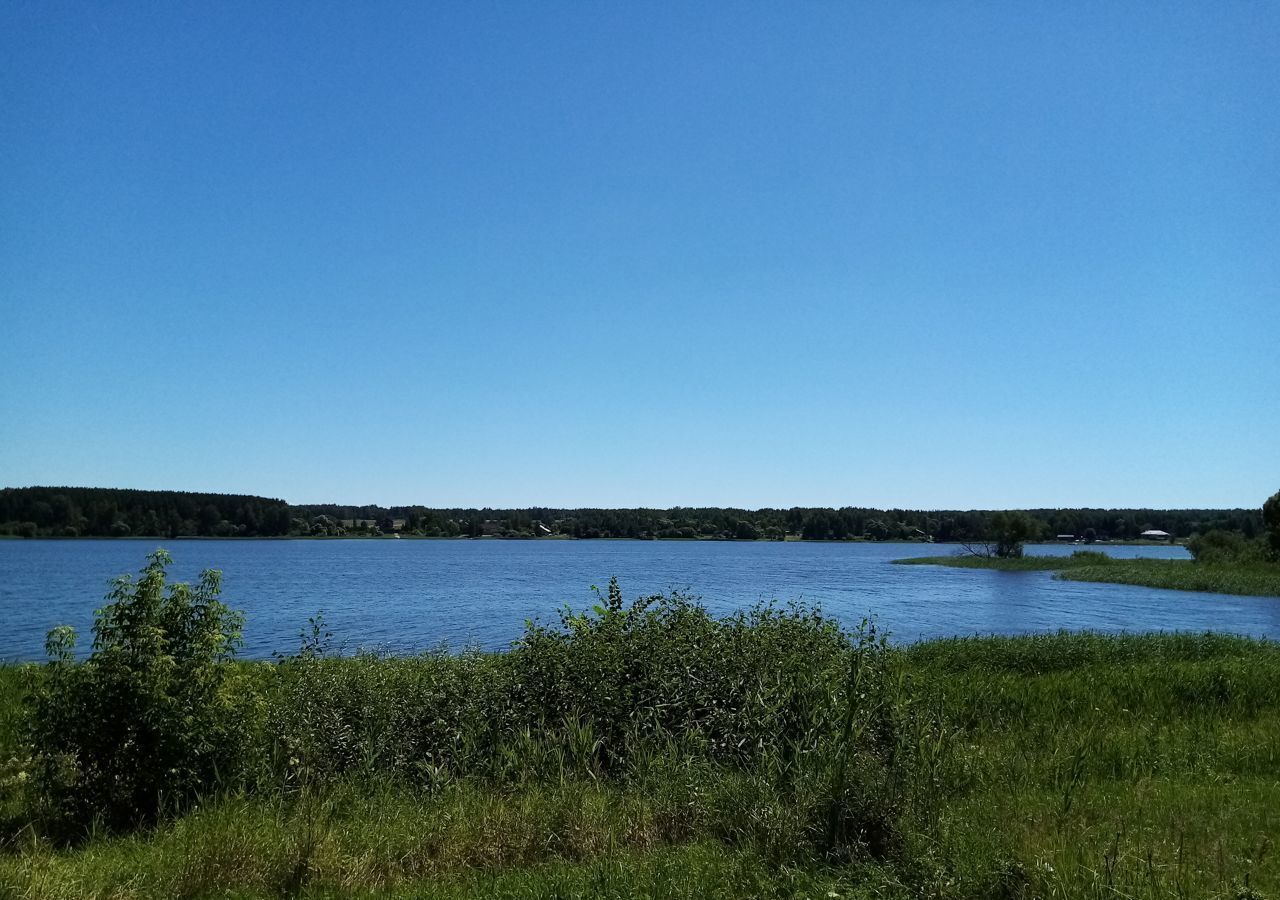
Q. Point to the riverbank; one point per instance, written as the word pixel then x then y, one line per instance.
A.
pixel 1254 579
pixel 699 759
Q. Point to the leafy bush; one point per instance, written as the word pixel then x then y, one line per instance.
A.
pixel 1225 547
pixel 799 715
pixel 632 678
pixel 149 721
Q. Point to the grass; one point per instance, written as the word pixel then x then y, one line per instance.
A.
pixel 1251 579
pixel 1258 579
pixel 1064 765
pixel 1018 564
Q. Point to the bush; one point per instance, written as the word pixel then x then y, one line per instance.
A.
pixel 1225 547
pixel 798 714
pixel 149 721
pixel 632 678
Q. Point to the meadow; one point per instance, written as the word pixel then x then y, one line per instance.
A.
pixel 643 749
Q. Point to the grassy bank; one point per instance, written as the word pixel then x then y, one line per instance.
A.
pixel 643 749
pixel 1258 579
pixel 1061 765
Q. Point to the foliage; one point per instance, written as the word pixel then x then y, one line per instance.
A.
pixel 1271 518
pixel 151 720
pixel 1221 547
pixel 103 512
pixel 778 707
pixel 106 512
pixel 643 748
pixel 1076 765
pixel 1011 530
pixel 809 523
pixel 630 693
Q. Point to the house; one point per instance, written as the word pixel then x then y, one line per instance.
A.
pixel 1155 534
pixel 1068 538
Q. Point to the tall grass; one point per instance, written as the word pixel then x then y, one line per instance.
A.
pixel 1258 579
pixel 1058 765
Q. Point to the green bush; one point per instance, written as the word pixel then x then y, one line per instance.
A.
pixel 151 719
pixel 798 714
pixel 1225 547
pixel 631 678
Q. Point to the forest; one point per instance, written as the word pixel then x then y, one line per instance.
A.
pixel 110 512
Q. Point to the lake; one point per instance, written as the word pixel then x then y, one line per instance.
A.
pixel 408 595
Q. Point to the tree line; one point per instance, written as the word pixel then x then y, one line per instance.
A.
pixel 113 512
pixel 107 512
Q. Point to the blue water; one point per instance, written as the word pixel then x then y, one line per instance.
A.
pixel 409 595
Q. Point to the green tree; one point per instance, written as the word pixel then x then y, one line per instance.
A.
pixel 1011 530
pixel 1271 518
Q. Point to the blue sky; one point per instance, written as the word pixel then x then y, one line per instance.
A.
pixel 905 254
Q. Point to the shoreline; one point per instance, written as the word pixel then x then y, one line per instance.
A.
pixel 1239 579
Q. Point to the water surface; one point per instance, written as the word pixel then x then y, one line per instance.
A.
pixel 412 595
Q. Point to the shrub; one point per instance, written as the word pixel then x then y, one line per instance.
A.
pixel 799 715
pixel 148 722
pixel 1224 547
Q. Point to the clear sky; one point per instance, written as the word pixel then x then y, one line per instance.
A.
pixel 902 254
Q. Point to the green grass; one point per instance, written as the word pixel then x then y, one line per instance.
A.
pixel 1258 579
pixel 1019 564
pixel 1117 766
pixel 1252 579
pixel 1061 765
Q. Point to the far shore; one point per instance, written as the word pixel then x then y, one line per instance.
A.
pixel 789 539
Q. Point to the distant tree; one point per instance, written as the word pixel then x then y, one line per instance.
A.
pixel 1271 518
pixel 1010 531
pixel 209 519
pixel 1090 535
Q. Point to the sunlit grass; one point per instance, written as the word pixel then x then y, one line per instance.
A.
pixel 1063 765
pixel 1250 579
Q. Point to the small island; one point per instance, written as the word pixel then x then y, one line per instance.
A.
pixel 1222 562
